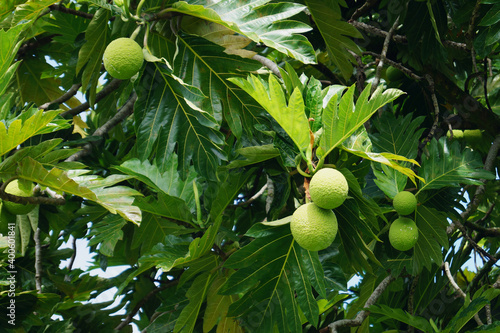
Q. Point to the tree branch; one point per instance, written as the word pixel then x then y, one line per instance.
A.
pixel 435 105
pixel 383 54
pixel 268 63
pixel 28 200
pixel 38 261
pixel 397 65
pixel 141 303
pixel 109 88
pixel 361 316
pixel 481 273
pixel 126 110
pixel 66 96
pixel 72 11
pixel 365 8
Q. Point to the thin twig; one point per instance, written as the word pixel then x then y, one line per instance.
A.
pixel 481 273
pixel 38 261
pixel 361 316
pixel 253 198
pixel 487 308
pixel 397 65
pixel 268 63
pixel 365 8
pixel 126 110
pixel 476 200
pixel 435 105
pixel 66 96
pixel 400 39
pixel 28 200
pixel 459 290
pixel 141 303
pixel 109 88
pixel 383 54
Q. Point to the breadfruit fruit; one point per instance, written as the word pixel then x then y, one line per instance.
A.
pixel 404 203
pixel 20 189
pixel 394 74
pixel 403 234
pixel 313 228
pixel 473 137
pixel 123 58
pixel 457 134
pixel 328 188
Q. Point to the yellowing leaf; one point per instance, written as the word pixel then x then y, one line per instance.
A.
pixel 79 126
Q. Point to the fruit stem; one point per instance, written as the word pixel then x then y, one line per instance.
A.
pixel 139 7
pixel 136 32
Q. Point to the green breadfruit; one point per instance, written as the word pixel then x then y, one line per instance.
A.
pixel 394 74
pixel 404 203
pixel 457 134
pixel 313 228
pixel 328 188
pixel 20 189
pixel 123 58
pixel 403 234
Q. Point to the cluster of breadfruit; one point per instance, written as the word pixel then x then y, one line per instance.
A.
pixel 21 189
pixel 403 233
pixel 314 224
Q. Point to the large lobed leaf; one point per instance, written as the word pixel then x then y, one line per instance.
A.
pixel 277 277
pixel 290 116
pixel 169 118
pixel 204 65
pixel 257 20
pixel 9 45
pixel 445 164
pixel 336 33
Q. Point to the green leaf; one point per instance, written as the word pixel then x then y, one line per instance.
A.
pixel 258 21
pixel 491 17
pixel 107 233
pixel 169 117
pixel 217 307
pixel 444 164
pixel 196 295
pixel 19 131
pixel 30 10
pixel 228 191
pixel 254 155
pixel 9 45
pixel 90 55
pixel 271 271
pixel 432 237
pixel 291 117
pixel 402 316
pixel 342 118
pixel 465 314
pixel 116 199
pixel 336 33
pixel 204 65
pixel 167 181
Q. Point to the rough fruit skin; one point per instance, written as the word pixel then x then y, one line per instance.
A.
pixel 404 203
pixel 313 228
pixel 403 234
pixel 16 188
pixel 328 188
pixel 123 58
pixel 457 134
pixel 473 136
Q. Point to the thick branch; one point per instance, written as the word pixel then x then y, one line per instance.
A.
pixel 361 316
pixel 397 65
pixel 109 88
pixel 70 93
pixel 488 232
pixel 126 110
pixel 72 11
pixel 30 200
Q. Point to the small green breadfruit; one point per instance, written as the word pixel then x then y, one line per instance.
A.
pixel 394 74
pixel 404 203
pixel 22 190
pixel 473 137
pixel 403 234
pixel 328 188
pixel 123 58
pixel 457 134
pixel 313 228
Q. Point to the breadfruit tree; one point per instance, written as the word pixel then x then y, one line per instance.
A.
pixel 175 140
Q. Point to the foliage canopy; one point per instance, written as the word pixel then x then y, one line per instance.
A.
pixel 187 174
